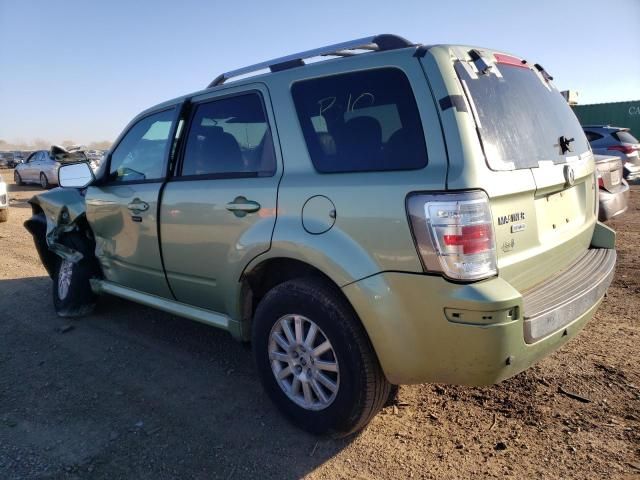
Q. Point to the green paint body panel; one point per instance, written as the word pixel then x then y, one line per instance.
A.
pixel 415 342
pixel 128 251
pixel 206 247
pixel 188 254
pixel 54 202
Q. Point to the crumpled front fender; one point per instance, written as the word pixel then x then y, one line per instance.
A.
pixel 63 208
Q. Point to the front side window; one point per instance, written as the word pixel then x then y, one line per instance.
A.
pixel 142 153
pixel 230 137
pixel 361 121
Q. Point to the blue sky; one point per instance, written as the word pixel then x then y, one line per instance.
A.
pixel 81 70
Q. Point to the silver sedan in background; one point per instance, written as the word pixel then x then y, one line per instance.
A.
pixel 41 167
pixel 613 190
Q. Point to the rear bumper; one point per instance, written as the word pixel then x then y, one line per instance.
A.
pixel 549 306
pixel 613 204
pixel 425 329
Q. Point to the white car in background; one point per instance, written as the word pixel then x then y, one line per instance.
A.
pixel 4 201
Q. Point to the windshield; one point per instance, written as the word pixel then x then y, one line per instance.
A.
pixel 521 118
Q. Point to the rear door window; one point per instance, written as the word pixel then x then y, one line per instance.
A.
pixel 361 121
pixel 521 117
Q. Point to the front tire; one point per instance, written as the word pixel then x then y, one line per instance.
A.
pixel 72 294
pixel 17 179
pixel 315 360
pixel 44 181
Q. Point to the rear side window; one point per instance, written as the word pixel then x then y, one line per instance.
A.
pixel 624 137
pixel 361 121
pixel 230 137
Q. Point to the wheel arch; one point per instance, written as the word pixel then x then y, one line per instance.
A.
pixel 265 274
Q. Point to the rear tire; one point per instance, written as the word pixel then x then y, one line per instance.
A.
pixel 17 179
pixel 44 181
pixel 393 395
pixel 72 294
pixel 357 388
pixel 4 215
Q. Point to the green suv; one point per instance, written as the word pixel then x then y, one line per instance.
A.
pixel 392 213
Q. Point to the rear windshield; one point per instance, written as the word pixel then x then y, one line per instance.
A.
pixel 521 118
pixel 624 137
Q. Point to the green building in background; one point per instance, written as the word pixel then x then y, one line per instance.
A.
pixel 618 114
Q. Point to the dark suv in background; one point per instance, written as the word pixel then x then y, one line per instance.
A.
pixel 617 141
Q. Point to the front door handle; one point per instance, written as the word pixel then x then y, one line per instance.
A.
pixel 138 205
pixel 241 206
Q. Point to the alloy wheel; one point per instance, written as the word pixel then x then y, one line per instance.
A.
pixel 304 362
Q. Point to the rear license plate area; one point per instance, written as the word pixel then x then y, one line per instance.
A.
pixel 615 177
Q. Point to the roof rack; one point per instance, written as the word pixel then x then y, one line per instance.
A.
pixel 344 49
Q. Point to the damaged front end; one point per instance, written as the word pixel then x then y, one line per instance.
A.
pixel 58 213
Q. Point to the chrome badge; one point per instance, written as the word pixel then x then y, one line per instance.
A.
pixel 569 175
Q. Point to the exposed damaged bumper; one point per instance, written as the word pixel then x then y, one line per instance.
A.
pixel 55 213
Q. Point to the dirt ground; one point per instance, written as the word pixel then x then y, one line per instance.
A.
pixel 130 392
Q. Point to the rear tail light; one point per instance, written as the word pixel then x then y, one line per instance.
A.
pixel 622 148
pixel 454 233
pixel 600 182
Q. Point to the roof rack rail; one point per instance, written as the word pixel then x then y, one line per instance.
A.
pixel 344 49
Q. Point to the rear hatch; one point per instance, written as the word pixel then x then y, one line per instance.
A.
pixel 537 169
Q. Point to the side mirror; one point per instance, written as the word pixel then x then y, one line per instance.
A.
pixel 75 175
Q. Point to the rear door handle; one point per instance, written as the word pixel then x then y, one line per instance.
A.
pixel 241 206
pixel 138 205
